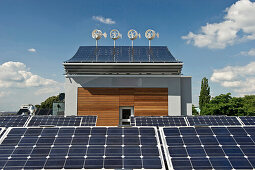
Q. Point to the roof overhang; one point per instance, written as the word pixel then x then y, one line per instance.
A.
pixel 122 68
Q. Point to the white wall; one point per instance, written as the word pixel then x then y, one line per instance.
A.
pixel 175 85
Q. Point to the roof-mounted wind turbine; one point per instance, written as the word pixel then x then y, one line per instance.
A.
pixel 97 34
pixel 115 34
pixel 132 35
pixel 150 35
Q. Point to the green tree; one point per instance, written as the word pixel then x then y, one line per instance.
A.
pixel 48 103
pixel 224 104
pixel 204 97
pixel 194 111
pixel 249 105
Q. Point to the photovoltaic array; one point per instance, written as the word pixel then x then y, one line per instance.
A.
pixel 213 120
pixel 81 147
pixel 122 54
pixel 209 147
pixel 160 121
pixel 13 121
pixel 248 120
pixel 63 121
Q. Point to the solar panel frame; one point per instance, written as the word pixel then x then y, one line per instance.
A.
pixel 2 129
pixel 165 120
pixel 13 121
pixel 36 150
pixel 230 158
pixel 212 121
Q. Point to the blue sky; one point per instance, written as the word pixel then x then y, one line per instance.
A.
pixel 37 36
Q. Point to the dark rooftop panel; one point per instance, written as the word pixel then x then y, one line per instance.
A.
pixel 120 54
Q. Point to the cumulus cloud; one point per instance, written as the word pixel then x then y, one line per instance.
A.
pixel 103 20
pixel 16 74
pixel 240 78
pixel 251 52
pixel 32 50
pixel 238 25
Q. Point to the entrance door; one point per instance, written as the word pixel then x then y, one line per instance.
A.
pixel 125 113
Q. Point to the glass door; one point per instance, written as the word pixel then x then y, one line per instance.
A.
pixel 125 113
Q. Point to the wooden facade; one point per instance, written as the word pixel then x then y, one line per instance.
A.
pixel 105 102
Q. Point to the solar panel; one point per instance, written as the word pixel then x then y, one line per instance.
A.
pixel 89 120
pixel 213 120
pixel 123 54
pixel 81 147
pixel 248 120
pixel 63 121
pixel 132 121
pixel 55 121
pixel 160 121
pixel 215 147
pixel 13 121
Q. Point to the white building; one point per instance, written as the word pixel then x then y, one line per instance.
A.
pixel 115 83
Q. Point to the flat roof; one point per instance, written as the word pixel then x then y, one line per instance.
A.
pixel 123 54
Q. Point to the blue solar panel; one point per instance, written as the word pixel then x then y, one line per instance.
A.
pixel 213 120
pixel 248 120
pixel 13 121
pixel 63 121
pixel 88 120
pixel 81 147
pixel 215 147
pixel 122 54
pixel 160 121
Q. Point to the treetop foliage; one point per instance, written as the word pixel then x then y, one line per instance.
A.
pixel 48 103
pixel 204 96
pixel 225 104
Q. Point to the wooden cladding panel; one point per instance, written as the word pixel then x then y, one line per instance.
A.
pixel 126 96
pixel 151 102
pixel 105 102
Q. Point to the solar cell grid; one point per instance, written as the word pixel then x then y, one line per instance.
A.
pixel 122 54
pixel 160 121
pixel 248 120
pixel 213 120
pixel 81 147
pixel 89 120
pixel 214 147
pixel 63 121
pixel 13 121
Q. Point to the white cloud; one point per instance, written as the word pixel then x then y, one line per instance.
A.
pixel 251 52
pixel 239 78
pixel 32 50
pixel 238 25
pixel 16 74
pixel 18 85
pixel 103 20
pixel 49 90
